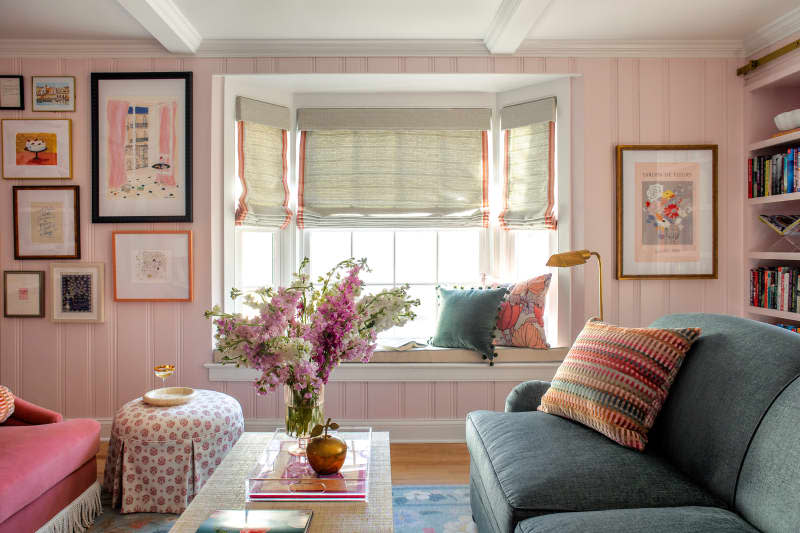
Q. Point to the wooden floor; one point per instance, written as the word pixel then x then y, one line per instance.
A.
pixel 412 464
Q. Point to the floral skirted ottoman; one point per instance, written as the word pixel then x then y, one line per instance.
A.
pixel 160 457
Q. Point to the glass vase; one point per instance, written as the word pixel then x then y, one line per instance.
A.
pixel 302 415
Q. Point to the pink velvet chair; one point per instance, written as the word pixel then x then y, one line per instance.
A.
pixel 48 471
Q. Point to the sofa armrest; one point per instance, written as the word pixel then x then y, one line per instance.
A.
pixel 31 414
pixel 526 396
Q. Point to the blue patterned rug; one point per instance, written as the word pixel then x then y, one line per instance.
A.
pixel 417 509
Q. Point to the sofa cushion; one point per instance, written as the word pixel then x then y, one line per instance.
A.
pixel 532 463
pixel 616 379
pixel 35 458
pixel 521 319
pixel 732 374
pixel 653 520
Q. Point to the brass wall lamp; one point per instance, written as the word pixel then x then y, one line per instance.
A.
pixel 579 257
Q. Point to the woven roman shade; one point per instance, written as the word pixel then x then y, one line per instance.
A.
pixel 529 145
pixel 261 151
pixel 393 168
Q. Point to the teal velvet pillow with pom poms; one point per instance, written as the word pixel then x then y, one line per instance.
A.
pixel 467 319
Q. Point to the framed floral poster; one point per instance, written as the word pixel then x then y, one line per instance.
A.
pixel 46 222
pixel 77 292
pixel 667 212
pixel 36 148
pixel 142 147
pixel 23 293
pixel 152 266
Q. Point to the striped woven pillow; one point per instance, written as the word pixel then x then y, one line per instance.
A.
pixel 616 379
pixel 6 404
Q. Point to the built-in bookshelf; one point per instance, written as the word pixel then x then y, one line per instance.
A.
pixel 774 258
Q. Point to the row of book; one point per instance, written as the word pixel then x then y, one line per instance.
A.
pixel 775 288
pixel 790 327
pixel 769 175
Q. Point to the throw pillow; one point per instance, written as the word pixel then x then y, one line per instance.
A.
pixel 467 319
pixel 6 404
pixel 521 320
pixel 616 379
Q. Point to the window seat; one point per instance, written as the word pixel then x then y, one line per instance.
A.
pixel 428 364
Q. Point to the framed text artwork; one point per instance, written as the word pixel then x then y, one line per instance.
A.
pixel 11 95
pixel 36 148
pixel 667 212
pixel 152 266
pixel 46 222
pixel 23 293
pixel 53 93
pixel 142 147
pixel 77 292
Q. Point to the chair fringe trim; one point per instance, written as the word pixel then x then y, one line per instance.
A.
pixel 79 515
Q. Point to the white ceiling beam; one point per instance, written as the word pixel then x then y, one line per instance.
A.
pixel 512 23
pixel 166 22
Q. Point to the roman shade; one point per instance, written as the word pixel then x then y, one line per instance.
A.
pixel 393 168
pixel 261 153
pixel 529 146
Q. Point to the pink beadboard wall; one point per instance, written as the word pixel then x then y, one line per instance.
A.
pixel 90 370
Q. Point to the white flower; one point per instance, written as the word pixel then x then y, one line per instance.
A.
pixel 655 191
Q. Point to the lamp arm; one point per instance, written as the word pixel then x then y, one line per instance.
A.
pixel 600 284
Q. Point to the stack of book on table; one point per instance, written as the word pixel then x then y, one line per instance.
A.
pixel 280 475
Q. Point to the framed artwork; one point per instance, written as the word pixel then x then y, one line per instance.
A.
pixel 46 222
pixel 53 93
pixel 23 293
pixel 153 266
pixel 142 147
pixel 667 212
pixel 77 292
pixel 11 95
pixel 37 148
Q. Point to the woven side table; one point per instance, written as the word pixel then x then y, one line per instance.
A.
pixel 160 457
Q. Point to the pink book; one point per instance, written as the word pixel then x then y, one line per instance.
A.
pixel 281 476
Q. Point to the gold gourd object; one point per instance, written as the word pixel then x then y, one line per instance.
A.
pixel 326 453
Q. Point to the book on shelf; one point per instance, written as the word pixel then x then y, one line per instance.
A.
pixel 281 475
pixel 775 288
pixel 256 521
pixel 791 327
pixel 402 345
pixel 782 224
pixel 775 174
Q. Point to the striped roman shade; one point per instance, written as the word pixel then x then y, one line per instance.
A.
pixel 529 147
pixel 615 380
pixel 393 168
pixel 261 158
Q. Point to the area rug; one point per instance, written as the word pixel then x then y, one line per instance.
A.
pixel 417 509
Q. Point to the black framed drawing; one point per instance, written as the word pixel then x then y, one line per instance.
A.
pixel 141 147
pixel 11 93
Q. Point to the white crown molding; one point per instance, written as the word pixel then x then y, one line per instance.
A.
pixel 629 48
pixel 769 34
pixel 340 47
pixel 512 23
pixel 400 430
pixel 362 48
pixel 166 22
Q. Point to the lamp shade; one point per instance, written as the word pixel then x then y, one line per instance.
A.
pixel 568 259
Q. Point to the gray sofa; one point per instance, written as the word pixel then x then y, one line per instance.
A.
pixel 723 455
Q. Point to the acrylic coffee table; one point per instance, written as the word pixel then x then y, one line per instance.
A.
pixel 225 490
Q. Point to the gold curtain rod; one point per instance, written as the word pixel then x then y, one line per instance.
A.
pixel 775 54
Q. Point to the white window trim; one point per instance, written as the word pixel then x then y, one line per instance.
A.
pixel 291 246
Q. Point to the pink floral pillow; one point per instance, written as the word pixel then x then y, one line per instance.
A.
pixel 521 319
pixel 6 404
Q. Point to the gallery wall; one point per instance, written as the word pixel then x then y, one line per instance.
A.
pixel 90 370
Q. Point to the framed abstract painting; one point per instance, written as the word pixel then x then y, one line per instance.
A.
pixel 46 222
pixel 36 148
pixel 23 293
pixel 152 266
pixel 77 292
pixel 667 212
pixel 142 147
